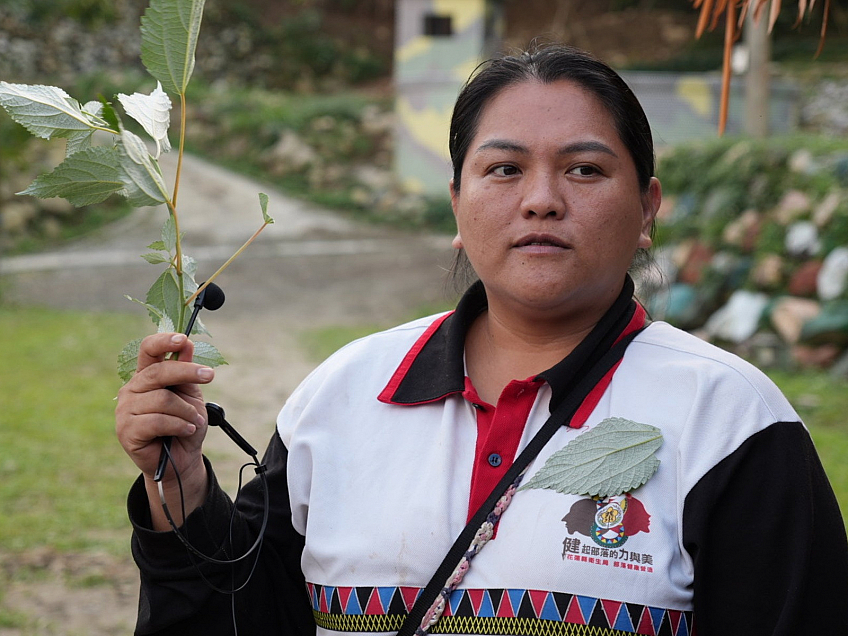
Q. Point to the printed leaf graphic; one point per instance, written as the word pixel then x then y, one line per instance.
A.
pixel 84 178
pixel 45 111
pixel 169 30
pixel 153 112
pixel 139 172
pixel 612 458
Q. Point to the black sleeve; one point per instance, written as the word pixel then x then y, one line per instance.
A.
pixel 768 541
pixel 175 598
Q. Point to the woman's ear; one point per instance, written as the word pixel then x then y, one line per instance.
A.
pixel 454 195
pixel 651 200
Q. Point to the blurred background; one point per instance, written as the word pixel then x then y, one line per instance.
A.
pixel 339 110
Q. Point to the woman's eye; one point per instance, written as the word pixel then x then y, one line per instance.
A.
pixel 584 171
pixel 505 171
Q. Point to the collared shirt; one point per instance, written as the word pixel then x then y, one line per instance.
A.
pixel 738 530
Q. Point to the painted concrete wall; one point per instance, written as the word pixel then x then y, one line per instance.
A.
pixel 429 72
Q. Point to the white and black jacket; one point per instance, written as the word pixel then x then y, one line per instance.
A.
pixel 385 450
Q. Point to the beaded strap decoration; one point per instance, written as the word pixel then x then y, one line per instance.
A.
pixel 481 538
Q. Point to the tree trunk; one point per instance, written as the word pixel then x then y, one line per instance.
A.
pixel 757 79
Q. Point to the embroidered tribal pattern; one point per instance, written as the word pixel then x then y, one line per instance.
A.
pixel 494 612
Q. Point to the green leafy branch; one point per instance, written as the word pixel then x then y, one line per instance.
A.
pixel 123 165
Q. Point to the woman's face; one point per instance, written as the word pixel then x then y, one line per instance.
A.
pixel 550 212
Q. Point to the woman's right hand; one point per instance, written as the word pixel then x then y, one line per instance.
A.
pixel 164 399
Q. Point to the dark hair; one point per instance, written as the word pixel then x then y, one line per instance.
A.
pixel 548 64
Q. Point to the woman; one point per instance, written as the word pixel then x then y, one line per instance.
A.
pixel 388 449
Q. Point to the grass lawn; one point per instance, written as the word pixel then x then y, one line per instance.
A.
pixel 63 475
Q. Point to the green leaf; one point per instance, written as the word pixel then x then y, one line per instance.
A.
pixel 206 353
pixel 158 245
pixel 614 457
pixel 263 202
pixel 140 172
pixel 189 269
pixel 156 314
pixel 45 111
pixel 165 296
pixel 166 325
pixel 155 258
pixel 169 31
pixel 109 115
pixel 169 234
pixel 84 178
pixel 153 112
pixel 128 360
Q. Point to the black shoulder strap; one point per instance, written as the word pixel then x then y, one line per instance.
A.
pixel 558 418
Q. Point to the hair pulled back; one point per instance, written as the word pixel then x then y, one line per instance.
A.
pixel 548 64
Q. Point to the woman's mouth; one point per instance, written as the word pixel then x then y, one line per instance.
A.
pixel 541 243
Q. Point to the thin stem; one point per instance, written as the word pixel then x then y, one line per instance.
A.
pixel 182 148
pixel 173 207
pixel 225 265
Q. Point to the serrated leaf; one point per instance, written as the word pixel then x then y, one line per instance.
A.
pixel 153 112
pixel 84 178
pixel 189 269
pixel 166 325
pixel 128 360
pixel 206 353
pixel 81 140
pixel 158 245
pixel 154 258
pixel 169 234
pixel 164 295
pixel 155 313
pixel 140 172
pixel 45 111
pixel 199 328
pixel 169 31
pixel 78 142
pixel 263 203
pixel 614 457
pixel 109 115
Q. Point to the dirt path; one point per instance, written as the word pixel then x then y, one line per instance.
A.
pixel 312 268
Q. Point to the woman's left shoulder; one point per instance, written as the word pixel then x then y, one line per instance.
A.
pixel 662 350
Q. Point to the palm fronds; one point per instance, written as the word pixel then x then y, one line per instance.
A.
pixel 713 10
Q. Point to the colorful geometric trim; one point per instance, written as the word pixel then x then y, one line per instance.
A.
pixel 494 612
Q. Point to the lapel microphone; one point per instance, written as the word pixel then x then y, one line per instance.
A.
pixel 211 298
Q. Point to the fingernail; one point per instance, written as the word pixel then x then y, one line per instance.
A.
pixel 191 428
pixel 200 420
pixel 178 338
pixel 205 373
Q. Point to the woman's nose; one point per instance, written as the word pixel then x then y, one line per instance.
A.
pixel 542 197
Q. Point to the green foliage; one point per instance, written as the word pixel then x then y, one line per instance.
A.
pixel 85 178
pixel 43 12
pixel 298 49
pixel 169 34
pixel 715 181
